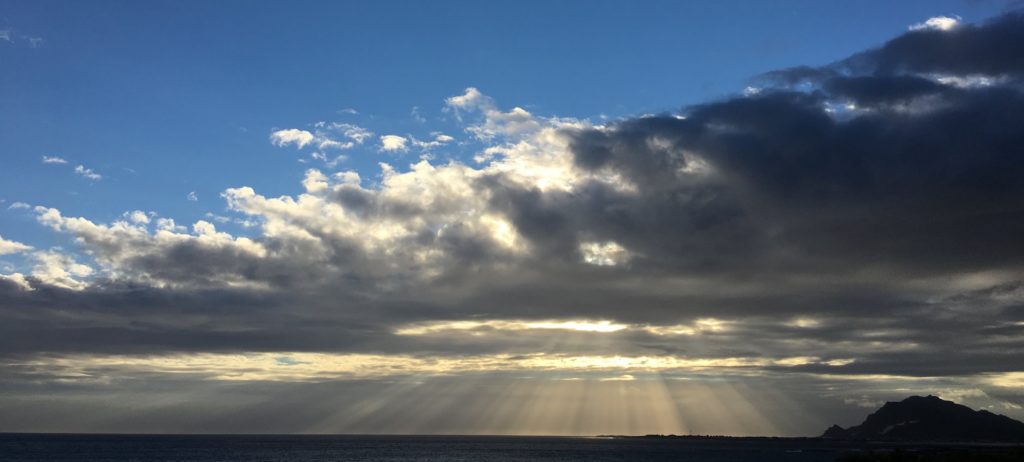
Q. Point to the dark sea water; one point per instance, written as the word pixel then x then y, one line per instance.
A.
pixel 271 448
pixel 37 447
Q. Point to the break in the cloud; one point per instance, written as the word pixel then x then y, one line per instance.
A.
pixel 840 236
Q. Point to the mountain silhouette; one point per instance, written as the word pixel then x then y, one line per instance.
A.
pixel 930 418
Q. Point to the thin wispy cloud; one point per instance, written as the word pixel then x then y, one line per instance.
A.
pixel 15 38
pixel 87 173
pixel 54 160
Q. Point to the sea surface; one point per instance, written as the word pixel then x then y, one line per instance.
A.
pixel 66 447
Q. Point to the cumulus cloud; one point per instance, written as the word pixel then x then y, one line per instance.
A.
pixel 300 138
pixel 845 223
pixel 393 143
pixel 137 217
pixel 8 247
pixel 326 137
pixel 60 270
pixel 494 122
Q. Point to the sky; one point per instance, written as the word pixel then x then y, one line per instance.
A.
pixel 571 218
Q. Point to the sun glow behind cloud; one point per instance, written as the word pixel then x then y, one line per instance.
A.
pixel 319 367
pixel 589 264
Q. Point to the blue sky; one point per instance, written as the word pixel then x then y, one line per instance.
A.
pixel 547 223
pixel 165 98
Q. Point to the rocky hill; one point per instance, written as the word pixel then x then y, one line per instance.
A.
pixel 930 418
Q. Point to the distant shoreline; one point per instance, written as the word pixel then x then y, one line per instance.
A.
pixel 879 442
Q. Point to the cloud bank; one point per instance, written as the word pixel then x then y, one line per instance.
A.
pixel 842 232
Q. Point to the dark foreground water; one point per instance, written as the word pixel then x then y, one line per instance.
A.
pixel 53 447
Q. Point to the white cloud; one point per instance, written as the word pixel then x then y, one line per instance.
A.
pixel 415 114
pixel 393 143
pixel 327 136
pixel 19 205
pixel 57 269
pixel 218 218
pixel 314 235
pixel 348 110
pixel 943 23
pixel 88 173
pixel 53 160
pixel 471 98
pixel 353 132
pixel 440 139
pixel 18 279
pixel 8 247
pixel 138 217
pixel 167 224
pixel 300 138
pixel 192 196
pixel 517 122
pixel 14 38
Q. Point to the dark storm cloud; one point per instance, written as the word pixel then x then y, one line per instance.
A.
pixel 874 196
pixel 990 49
pixel 966 49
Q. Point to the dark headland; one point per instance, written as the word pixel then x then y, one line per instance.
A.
pixel 930 418
pixel 919 428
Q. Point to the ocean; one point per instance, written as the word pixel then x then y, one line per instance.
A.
pixel 274 448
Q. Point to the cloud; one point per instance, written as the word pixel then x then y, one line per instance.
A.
pixel 19 205
pixel 942 23
pixel 393 143
pixel 53 160
pixel 494 122
pixel 300 138
pixel 15 38
pixel 416 116
pixel 327 136
pixel 137 217
pixel 9 247
pixel 439 139
pixel 60 270
pixel 88 173
pixel 844 224
pixel 192 196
